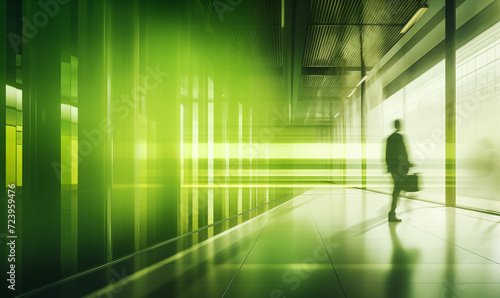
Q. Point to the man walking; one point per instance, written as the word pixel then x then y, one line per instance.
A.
pixel 396 158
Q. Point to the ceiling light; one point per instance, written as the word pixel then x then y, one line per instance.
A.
pixel 415 18
pixel 352 92
pixel 362 80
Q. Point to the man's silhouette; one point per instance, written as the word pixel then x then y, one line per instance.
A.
pixel 396 158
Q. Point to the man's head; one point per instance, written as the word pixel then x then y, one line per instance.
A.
pixel 397 124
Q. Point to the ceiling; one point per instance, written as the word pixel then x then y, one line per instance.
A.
pixel 313 51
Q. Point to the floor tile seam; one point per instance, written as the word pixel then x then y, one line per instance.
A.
pixel 447 241
pixel 328 253
pixel 249 251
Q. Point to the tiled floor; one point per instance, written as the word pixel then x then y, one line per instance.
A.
pixel 334 242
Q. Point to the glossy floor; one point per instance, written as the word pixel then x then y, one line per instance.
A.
pixel 330 242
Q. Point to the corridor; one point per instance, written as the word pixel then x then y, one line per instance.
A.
pixel 329 241
pixel 250 148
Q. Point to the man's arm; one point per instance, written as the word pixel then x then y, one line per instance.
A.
pixel 387 152
pixel 404 153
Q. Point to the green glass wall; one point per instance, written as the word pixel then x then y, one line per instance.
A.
pixel 129 123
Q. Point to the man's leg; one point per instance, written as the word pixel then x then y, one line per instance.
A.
pixel 395 196
pixel 397 179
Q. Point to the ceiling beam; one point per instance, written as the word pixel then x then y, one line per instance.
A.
pixel 340 24
pixel 245 24
pixel 331 71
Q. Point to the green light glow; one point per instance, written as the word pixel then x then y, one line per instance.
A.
pixel 129 123
pixel 14 136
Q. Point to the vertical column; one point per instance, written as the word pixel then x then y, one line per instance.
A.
pixel 259 159
pixel 187 131
pixel 227 159
pixel 194 151
pixel 251 166
pixel 92 125
pixel 122 81
pixel 69 142
pixel 219 147
pixel 210 157
pixel 245 158
pixel 144 130
pixel 241 204
pixel 202 141
pixel 163 59
pixel 344 142
pixel 363 120
pixel 41 209
pixel 450 103
pixel 184 193
pixel 233 140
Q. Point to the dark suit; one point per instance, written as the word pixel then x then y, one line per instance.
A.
pixel 396 159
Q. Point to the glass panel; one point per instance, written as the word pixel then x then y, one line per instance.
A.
pixel 424 127
pixel 478 107
pixel 420 105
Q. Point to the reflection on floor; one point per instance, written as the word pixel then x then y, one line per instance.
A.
pixel 333 242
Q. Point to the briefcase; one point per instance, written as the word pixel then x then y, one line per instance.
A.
pixel 411 183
